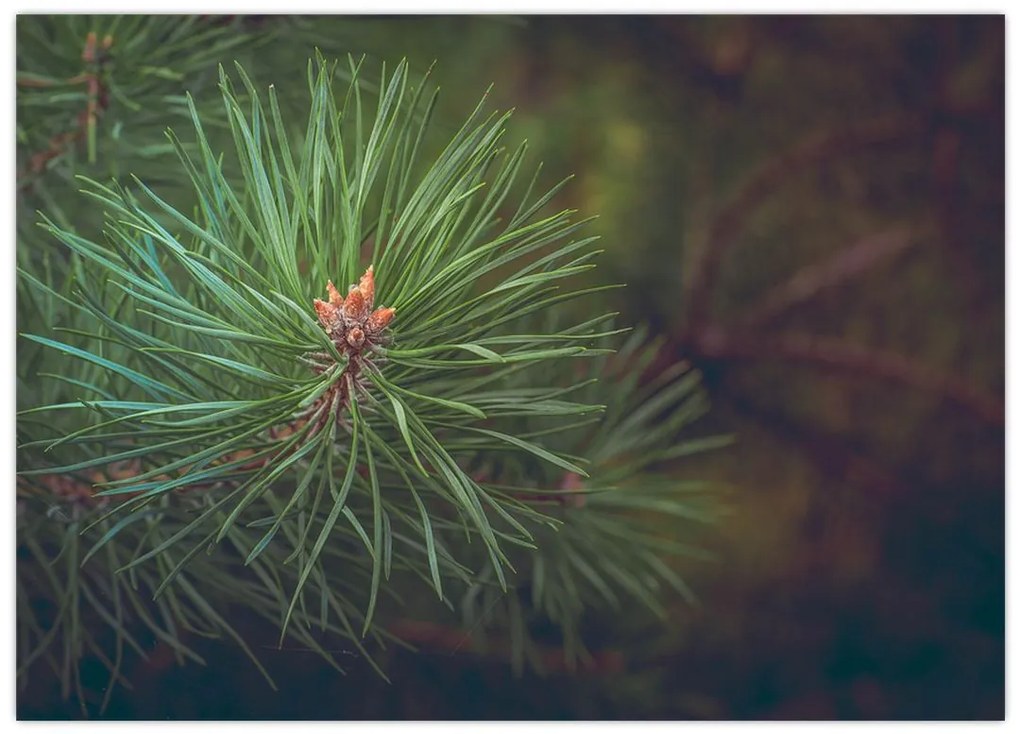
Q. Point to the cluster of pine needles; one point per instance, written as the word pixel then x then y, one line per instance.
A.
pixel 200 434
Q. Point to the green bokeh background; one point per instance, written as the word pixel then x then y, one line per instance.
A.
pixel 860 573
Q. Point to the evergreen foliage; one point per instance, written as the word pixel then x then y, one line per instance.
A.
pixel 208 423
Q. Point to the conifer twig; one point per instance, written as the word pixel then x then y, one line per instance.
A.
pixel 85 122
pixel 442 638
pixel 842 266
pixel 810 150
pixel 841 356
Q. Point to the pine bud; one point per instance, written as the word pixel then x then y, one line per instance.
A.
pixel 355 307
pixel 356 337
pixel 379 319
pixel 334 295
pixel 328 315
pixel 366 286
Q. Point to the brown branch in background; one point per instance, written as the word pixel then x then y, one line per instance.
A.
pixel 844 265
pixel 98 101
pixel 34 82
pixel 58 144
pixel 441 638
pixel 842 357
pixel 810 151
pixel 829 451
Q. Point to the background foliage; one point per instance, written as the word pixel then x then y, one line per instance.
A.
pixel 811 211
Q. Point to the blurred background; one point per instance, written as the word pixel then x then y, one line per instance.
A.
pixel 811 210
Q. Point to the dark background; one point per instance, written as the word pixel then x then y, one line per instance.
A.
pixel 811 209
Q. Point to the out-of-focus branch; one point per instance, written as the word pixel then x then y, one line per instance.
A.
pixel 815 278
pixel 440 638
pixel 843 357
pixel 84 128
pixel 809 151
pixel 831 453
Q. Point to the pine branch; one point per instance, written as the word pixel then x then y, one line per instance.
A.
pixel 769 176
pixel 451 641
pixel 440 231
pixel 839 356
pixel 95 56
pixel 811 280
pixel 225 427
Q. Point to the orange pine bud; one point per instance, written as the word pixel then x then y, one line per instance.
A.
pixel 355 307
pixel 366 286
pixel 334 295
pixel 379 319
pixel 356 337
pixel 327 314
